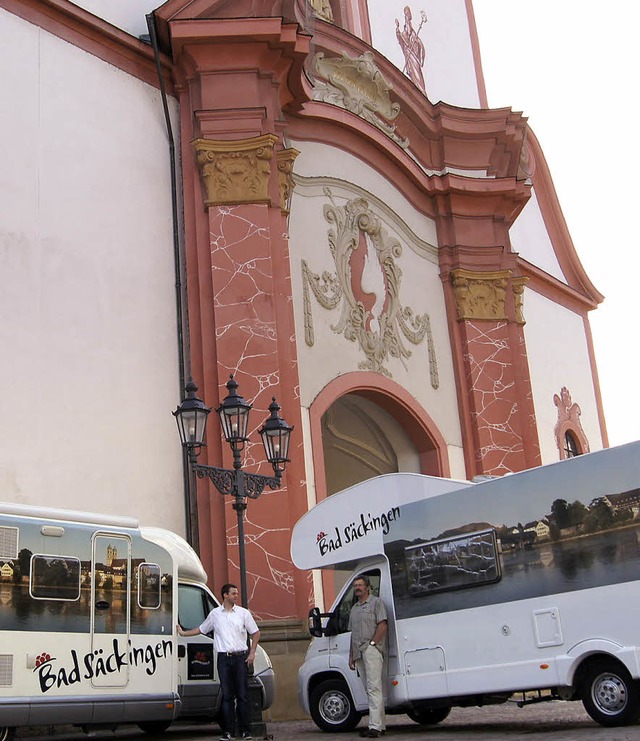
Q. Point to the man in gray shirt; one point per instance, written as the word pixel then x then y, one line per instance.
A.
pixel 368 626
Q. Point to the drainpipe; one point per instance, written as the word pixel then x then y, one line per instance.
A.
pixel 191 523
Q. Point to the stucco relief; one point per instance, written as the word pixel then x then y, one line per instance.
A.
pixel 235 172
pixel 357 85
pixel 366 288
pixel 568 421
pixel 322 8
pixel 412 47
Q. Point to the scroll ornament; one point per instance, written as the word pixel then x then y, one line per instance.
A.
pixel 381 326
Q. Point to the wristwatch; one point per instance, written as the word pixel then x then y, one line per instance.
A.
pixel 372 643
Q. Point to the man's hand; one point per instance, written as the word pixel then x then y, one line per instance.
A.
pixel 251 658
pixel 352 664
pixel 180 631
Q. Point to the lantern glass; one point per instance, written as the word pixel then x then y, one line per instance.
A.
pixel 234 416
pixel 275 434
pixel 191 418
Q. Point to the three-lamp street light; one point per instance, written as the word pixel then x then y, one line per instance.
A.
pixel 191 417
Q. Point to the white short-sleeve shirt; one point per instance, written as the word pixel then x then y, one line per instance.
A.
pixel 230 628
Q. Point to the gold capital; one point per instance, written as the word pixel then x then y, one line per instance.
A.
pixel 236 171
pixel 480 295
pixel 285 158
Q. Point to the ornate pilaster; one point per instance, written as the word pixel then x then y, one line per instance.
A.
pixel 499 415
pixel 235 171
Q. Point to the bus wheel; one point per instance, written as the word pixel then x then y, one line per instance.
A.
pixel 428 716
pixel 332 708
pixel 6 733
pixel 153 727
pixel 610 695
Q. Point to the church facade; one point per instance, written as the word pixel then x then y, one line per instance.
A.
pixel 311 195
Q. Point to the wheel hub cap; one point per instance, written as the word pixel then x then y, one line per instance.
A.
pixel 609 694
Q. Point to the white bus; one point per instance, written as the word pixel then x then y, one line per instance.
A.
pixel 524 587
pixel 88 609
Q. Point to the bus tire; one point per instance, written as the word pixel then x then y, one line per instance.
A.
pixel 332 708
pixel 428 716
pixel 610 695
pixel 153 727
pixel 6 733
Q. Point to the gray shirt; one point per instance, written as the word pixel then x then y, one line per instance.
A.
pixel 363 620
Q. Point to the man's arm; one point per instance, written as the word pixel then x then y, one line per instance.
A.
pixel 381 629
pixel 255 637
pixel 190 632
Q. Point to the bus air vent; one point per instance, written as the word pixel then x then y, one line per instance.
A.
pixel 8 542
pixel 6 670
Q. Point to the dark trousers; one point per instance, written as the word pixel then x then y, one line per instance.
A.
pixel 233 674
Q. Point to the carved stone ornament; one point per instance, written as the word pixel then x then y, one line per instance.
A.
pixel 366 289
pixel 322 8
pixel 357 85
pixel 568 421
pixel 285 158
pixel 517 286
pixel 237 171
pixel 480 295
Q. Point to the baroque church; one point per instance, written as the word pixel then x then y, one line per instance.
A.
pixel 310 195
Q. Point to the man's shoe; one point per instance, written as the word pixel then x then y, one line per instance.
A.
pixel 226 736
pixel 246 735
pixel 371 733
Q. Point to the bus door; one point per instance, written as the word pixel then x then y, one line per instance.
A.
pixel 110 610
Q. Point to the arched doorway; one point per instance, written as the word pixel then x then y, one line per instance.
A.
pixel 361 440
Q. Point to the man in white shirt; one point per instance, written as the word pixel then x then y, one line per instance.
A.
pixel 230 624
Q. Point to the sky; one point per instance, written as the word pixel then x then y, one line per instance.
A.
pixel 572 68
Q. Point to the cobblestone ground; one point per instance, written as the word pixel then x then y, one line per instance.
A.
pixel 560 721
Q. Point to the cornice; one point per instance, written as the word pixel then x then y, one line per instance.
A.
pixel 555 290
pixel 557 227
pixel 94 35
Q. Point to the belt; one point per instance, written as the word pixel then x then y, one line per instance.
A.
pixel 234 653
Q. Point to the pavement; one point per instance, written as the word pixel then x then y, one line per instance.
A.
pixel 560 721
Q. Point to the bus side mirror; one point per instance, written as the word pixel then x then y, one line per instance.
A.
pixel 315 622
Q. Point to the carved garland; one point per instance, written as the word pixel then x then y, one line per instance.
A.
pixel 378 330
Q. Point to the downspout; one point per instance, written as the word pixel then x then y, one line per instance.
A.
pixel 191 514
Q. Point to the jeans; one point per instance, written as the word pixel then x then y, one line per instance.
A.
pixel 233 674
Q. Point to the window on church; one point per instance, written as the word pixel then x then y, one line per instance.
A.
pixel 571 449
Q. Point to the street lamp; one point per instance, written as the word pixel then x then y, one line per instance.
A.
pixel 191 417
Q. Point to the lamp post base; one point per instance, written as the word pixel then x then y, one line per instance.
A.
pixel 258 726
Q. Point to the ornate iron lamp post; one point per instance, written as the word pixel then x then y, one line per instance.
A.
pixel 191 417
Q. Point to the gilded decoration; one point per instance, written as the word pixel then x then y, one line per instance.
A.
pixel 357 85
pixel 480 295
pixel 322 8
pixel 285 159
pixel 237 171
pixel 517 286
pixel 366 288
pixel 568 421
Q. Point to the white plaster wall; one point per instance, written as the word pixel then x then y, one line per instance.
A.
pixel 529 238
pixel 129 15
pixel 558 356
pixel 448 69
pixel 319 166
pixel 89 371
